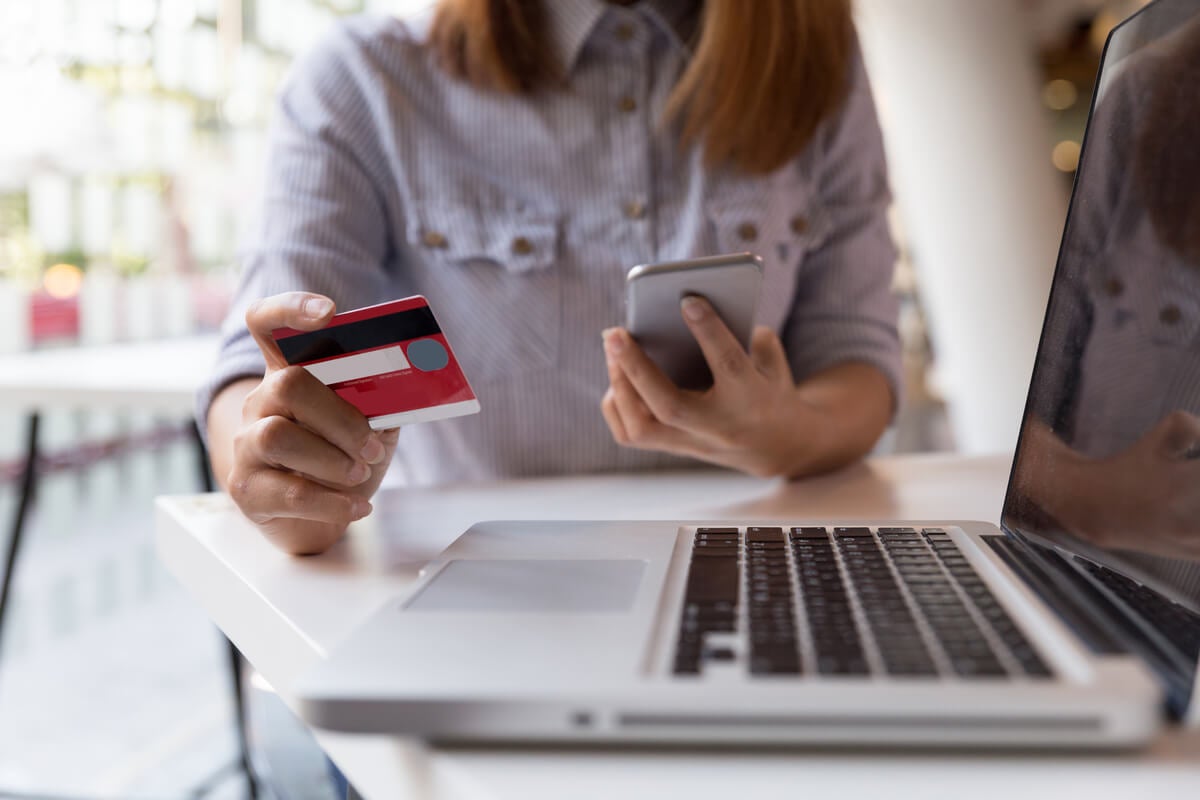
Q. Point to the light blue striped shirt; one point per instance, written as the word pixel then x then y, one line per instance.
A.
pixel 518 217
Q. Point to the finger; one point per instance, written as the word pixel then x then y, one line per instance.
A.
pixel 640 427
pixel 725 355
pixel 767 354
pixel 612 417
pixel 302 311
pixel 629 364
pixel 634 417
pixel 269 494
pixel 293 392
pixel 302 537
pixel 280 442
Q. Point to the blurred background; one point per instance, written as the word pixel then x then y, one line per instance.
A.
pixel 132 138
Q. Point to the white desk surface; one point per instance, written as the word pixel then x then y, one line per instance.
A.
pixel 159 375
pixel 284 613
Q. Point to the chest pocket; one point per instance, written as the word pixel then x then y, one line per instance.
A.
pixel 489 271
pixel 782 226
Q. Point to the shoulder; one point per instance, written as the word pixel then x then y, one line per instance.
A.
pixel 363 50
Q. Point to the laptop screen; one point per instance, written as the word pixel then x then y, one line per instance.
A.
pixel 1108 462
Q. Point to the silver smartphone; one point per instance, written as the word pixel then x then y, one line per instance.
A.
pixel 653 293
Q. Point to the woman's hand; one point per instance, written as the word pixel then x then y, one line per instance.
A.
pixel 1145 498
pixel 754 418
pixel 300 462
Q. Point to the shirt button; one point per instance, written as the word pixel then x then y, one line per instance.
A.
pixel 522 246
pixel 747 231
pixel 433 239
pixel 634 209
pixel 1113 287
pixel 625 31
pixel 627 104
pixel 1170 315
pixel 799 224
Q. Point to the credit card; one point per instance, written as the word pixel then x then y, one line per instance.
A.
pixel 390 361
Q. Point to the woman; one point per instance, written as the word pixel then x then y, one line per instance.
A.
pixel 510 160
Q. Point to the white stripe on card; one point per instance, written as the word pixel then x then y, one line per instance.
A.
pixel 359 365
pixel 444 411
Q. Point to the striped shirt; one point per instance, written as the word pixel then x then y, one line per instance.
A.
pixel 518 217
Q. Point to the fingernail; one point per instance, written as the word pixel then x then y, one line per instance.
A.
pixel 358 473
pixel 693 308
pixel 614 341
pixel 317 307
pixel 361 509
pixel 373 451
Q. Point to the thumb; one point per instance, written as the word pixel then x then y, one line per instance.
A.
pixel 298 311
pixel 766 351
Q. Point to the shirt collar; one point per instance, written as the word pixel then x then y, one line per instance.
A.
pixel 569 23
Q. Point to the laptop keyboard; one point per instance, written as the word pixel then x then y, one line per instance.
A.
pixel 844 602
pixel 1179 625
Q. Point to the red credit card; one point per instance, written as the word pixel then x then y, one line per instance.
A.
pixel 390 361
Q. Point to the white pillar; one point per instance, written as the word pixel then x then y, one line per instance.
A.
pixel 99 306
pixel 16 333
pixel 969 148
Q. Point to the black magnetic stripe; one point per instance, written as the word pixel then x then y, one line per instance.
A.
pixel 355 336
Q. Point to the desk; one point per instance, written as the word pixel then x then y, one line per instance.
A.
pixel 159 376
pixel 284 613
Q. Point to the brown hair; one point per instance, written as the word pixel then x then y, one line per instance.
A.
pixel 763 76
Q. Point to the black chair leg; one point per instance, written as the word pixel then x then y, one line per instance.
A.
pixel 235 656
pixel 24 501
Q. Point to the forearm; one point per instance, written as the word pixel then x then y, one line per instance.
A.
pixel 838 416
pixel 224 420
pixel 1050 475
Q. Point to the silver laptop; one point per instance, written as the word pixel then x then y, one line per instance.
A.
pixel 1077 623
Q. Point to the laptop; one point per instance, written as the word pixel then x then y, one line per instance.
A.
pixel 1076 623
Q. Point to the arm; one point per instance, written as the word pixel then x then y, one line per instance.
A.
pixel 1145 498
pixel 844 310
pixel 821 395
pixel 290 452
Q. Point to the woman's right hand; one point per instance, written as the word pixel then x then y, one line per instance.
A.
pixel 303 462
pixel 1145 498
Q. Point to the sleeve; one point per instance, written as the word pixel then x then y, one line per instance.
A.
pixel 323 225
pixel 844 309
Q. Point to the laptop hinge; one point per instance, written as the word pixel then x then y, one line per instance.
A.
pixel 1104 627
pixel 1081 608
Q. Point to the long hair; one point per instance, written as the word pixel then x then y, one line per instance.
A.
pixel 763 76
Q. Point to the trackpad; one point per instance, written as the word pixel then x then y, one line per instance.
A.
pixel 541 585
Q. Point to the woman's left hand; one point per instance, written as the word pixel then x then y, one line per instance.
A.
pixel 752 419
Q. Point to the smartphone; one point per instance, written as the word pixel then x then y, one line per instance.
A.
pixel 653 293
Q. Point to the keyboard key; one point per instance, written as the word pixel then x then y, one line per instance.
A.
pixel 764 535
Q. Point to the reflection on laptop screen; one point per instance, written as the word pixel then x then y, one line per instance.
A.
pixel 1108 464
